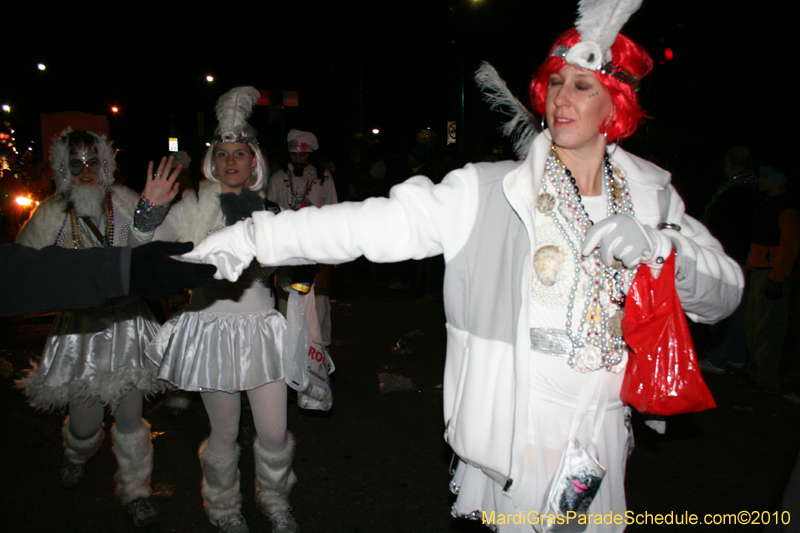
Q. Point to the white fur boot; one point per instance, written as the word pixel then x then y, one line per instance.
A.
pixel 76 453
pixel 274 478
pixel 221 495
pixel 134 453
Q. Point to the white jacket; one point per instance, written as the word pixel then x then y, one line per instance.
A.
pixel 481 218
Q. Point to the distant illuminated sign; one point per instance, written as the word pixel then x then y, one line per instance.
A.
pixel 173 144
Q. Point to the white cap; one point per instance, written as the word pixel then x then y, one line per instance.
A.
pixel 302 141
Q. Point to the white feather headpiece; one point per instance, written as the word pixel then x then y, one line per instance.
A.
pixel 599 22
pixel 522 126
pixel 233 109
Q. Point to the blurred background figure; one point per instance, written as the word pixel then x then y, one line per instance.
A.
pixel 729 216
pixel 773 250
pixel 304 183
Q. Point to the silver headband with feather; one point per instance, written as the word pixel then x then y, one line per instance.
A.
pixel 599 22
pixel 233 109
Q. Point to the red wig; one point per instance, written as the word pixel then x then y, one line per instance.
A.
pixel 625 53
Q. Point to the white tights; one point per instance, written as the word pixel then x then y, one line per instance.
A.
pixel 268 404
pixel 86 418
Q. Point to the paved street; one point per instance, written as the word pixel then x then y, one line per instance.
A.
pixel 377 462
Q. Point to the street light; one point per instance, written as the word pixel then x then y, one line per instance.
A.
pixel 41 66
pixel 7 108
pixel 209 78
pixel 375 131
pixel 114 109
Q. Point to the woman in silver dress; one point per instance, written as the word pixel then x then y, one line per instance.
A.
pixel 229 338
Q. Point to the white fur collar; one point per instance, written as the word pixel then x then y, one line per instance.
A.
pixel 201 215
pixel 47 220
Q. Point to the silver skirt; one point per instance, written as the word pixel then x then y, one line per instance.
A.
pixel 215 348
pixel 95 354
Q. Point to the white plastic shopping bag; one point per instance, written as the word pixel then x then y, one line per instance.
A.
pixel 306 363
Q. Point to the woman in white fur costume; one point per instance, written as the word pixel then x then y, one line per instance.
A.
pixel 229 339
pixel 95 358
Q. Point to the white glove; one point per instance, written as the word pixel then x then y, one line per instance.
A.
pixel 625 238
pixel 230 249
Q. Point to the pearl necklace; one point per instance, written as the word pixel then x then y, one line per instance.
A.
pixel 598 341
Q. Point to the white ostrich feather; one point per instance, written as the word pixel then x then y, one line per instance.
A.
pixel 522 126
pixel 233 109
pixel 107 156
pixel 59 157
pixel 600 21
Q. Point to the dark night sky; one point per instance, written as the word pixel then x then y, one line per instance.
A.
pixel 393 65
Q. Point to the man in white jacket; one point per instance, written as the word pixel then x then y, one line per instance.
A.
pixel 303 184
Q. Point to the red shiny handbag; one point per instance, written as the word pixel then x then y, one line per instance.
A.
pixel 662 376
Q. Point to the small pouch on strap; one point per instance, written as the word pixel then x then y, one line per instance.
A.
pixel 579 474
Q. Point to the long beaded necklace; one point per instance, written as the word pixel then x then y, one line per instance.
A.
pixel 297 200
pixel 108 219
pixel 598 341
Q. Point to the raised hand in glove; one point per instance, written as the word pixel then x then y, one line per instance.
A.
pixel 625 238
pixel 155 275
pixel 230 249
pixel 773 289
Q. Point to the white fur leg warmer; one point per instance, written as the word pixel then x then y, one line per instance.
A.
pixel 221 494
pixel 274 477
pixel 79 451
pixel 134 453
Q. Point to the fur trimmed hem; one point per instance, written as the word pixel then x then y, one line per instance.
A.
pixel 107 388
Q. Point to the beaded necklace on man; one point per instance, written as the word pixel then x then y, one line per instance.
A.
pixel 108 220
pixel 598 341
pixel 297 198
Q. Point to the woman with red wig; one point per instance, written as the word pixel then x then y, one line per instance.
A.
pixel 539 256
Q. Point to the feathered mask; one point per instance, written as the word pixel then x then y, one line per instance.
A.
pixel 599 22
pixel 233 109
pixel 96 152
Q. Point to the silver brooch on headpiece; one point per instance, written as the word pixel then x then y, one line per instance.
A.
pixel 231 137
pixel 599 22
